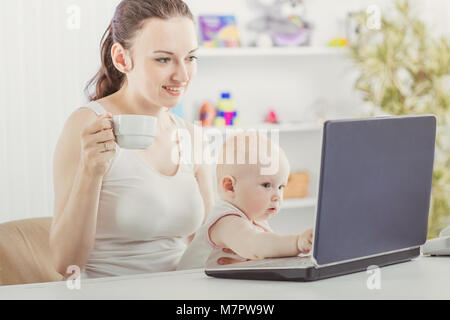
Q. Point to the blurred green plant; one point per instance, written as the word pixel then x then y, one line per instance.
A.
pixel 403 70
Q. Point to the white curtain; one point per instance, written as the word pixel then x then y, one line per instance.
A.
pixel 50 48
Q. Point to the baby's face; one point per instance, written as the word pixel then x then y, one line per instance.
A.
pixel 260 196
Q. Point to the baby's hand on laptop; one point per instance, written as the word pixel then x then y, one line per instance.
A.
pixel 304 243
pixel 229 260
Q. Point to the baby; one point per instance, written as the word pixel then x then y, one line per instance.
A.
pixel 248 199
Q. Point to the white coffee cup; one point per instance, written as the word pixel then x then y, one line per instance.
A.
pixel 134 131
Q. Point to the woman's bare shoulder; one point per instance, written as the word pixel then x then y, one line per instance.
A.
pixel 82 113
pixel 72 129
pixel 79 118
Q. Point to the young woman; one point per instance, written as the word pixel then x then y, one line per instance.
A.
pixel 118 211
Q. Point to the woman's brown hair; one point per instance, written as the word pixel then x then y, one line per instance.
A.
pixel 128 19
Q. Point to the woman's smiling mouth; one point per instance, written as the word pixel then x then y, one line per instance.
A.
pixel 173 90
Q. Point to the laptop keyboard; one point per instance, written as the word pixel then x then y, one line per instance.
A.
pixel 289 262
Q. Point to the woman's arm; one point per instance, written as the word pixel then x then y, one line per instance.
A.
pixel 77 192
pixel 235 233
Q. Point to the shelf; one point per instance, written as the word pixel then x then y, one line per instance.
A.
pixel 286 127
pixel 274 51
pixel 299 203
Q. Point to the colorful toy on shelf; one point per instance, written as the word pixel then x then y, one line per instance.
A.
pixel 280 23
pixel 271 117
pixel 207 114
pixel 338 42
pixel 226 114
pixel 219 31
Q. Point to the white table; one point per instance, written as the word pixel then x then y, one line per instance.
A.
pixel 422 278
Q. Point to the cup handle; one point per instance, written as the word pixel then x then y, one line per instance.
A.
pixel 112 125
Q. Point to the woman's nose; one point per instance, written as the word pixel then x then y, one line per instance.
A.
pixel 181 73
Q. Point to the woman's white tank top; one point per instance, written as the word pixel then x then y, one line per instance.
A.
pixel 144 217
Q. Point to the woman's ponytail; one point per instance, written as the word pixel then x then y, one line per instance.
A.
pixel 108 79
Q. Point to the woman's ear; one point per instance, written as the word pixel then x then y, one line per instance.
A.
pixel 121 58
pixel 228 185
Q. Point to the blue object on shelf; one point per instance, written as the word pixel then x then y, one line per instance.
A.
pixel 226 95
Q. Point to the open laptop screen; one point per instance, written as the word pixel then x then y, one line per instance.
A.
pixel 375 186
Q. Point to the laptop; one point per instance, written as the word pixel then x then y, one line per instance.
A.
pixel 373 201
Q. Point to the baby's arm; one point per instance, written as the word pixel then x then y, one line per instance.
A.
pixel 236 233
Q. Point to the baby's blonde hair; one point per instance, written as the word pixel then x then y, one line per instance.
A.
pixel 246 152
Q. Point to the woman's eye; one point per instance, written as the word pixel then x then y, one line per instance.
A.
pixel 281 187
pixel 163 60
pixel 266 185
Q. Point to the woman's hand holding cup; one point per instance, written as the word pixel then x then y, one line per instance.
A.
pixel 98 145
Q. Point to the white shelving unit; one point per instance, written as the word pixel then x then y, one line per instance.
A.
pixel 285 127
pixel 300 203
pixel 273 51
pixel 289 80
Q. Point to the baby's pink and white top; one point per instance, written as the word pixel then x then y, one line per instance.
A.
pixel 202 251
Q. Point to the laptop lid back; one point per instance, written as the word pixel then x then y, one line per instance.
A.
pixel 375 186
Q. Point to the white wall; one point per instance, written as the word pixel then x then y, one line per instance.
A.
pixel 46 65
